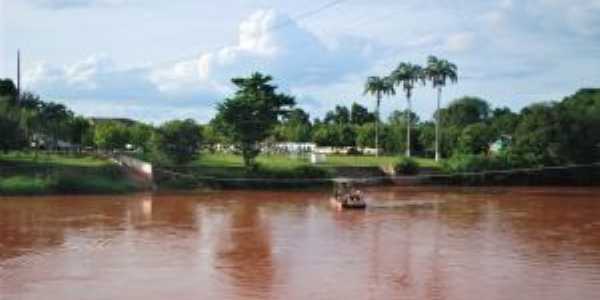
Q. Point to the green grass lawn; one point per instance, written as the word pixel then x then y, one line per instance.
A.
pixel 289 162
pixel 228 166
pixel 32 174
pixel 44 159
pixel 371 161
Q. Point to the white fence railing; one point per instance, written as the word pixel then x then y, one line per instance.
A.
pixel 141 167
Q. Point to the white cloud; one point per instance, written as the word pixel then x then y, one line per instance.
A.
pixel 506 4
pixel 528 46
pixel 268 42
pixel 63 4
pixel 459 42
pixel 86 75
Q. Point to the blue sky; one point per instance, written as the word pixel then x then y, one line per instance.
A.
pixel 158 60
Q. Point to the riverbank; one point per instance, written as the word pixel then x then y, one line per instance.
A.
pixel 222 170
pixel 42 173
pixel 323 175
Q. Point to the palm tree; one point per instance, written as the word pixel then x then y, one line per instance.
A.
pixel 378 86
pixel 439 71
pixel 408 75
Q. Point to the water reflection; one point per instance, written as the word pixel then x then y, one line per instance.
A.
pixel 243 252
pixel 140 210
pixel 411 243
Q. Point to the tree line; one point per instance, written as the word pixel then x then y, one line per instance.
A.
pixel 544 133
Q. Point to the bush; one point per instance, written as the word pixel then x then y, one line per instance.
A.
pixel 23 185
pixel 406 166
pixel 353 151
pixel 277 173
pixel 310 172
pixel 460 163
pixel 91 184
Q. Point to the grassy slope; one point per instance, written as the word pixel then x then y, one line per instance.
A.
pixel 29 174
pixel 43 159
pixel 286 162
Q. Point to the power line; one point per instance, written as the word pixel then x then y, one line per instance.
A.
pixel 306 14
pixel 274 27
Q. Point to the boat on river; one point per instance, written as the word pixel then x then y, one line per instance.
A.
pixel 346 196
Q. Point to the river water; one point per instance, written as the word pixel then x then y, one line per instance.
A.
pixel 411 243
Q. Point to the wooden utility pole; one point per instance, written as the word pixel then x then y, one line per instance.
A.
pixel 18 75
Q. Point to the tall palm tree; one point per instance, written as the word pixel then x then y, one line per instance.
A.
pixel 378 87
pixel 439 71
pixel 407 75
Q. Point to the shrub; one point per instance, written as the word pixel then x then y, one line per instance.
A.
pixel 353 151
pixel 460 163
pixel 185 183
pixel 23 185
pixel 90 184
pixel 406 166
pixel 310 172
pixel 297 172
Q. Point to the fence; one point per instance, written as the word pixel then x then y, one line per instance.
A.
pixel 588 175
pixel 140 167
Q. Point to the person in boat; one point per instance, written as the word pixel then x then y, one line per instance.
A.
pixel 355 195
pixel 343 192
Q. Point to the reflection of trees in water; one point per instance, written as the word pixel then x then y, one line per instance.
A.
pixel 243 252
pixel 168 212
pixel 33 224
pixel 552 226
pixel 24 226
pixel 436 281
pixel 139 210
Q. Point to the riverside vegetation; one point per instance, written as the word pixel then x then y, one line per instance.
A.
pixel 34 174
pixel 474 136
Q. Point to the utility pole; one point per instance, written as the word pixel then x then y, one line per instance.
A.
pixel 18 75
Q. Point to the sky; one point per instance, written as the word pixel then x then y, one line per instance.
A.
pixel 158 60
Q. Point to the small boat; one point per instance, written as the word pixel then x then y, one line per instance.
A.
pixel 347 197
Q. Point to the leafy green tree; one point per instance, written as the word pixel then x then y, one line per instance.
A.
pixel 111 136
pixel 408 75
pixel 295 127
pixel 334 135
pixel 30 114
pixel 503 121
pixel 140 136
pixel 465 111
pixel 177 141
pixel 252 113
pixel 55 118
pixel 346 136
pixel 216 133
pixel 79 128
pixel 427 138
pixel 360 115
pixel 580 126
pixel 378 87
pixel 325 135
pixel 364 135
pixel 449 139
pixel 475 139
pixel 537 137
pixel 439 71
pixel 340 115
pixel 8 91
pixel 12 135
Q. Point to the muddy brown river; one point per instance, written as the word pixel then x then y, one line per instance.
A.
pixel 410 243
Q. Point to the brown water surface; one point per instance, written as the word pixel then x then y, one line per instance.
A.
pixel 411 243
